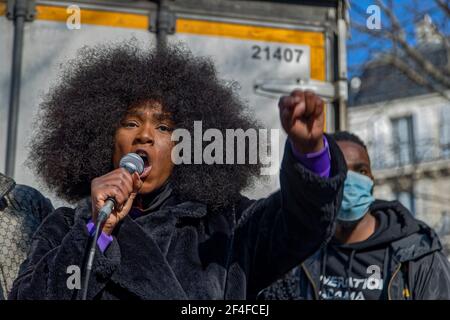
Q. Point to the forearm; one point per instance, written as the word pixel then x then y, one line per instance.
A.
pixel 317 162
pixel 307 208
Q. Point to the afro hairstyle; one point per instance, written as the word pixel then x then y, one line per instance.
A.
pixel 79 116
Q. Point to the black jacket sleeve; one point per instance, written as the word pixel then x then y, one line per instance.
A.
pixel 279 232
pixel 431 277
pixel 53 270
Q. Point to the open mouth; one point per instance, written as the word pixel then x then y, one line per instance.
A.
pixel 147 162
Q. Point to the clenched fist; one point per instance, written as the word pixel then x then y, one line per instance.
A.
pixel 302 117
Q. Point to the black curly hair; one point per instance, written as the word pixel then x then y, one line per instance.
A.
pixel 79 116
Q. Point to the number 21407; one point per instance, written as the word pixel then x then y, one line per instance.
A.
pixel 280 54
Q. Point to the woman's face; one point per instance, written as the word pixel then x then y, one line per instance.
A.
pixel 146 130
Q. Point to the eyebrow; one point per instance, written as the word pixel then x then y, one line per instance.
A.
pixel 360 165
pixel 159 116
pixel 162 116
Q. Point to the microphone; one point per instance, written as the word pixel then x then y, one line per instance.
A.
pixel 132 162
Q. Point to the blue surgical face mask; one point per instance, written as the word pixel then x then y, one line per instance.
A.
pixel 357 197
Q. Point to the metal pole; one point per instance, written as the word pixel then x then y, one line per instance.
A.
pixel 342 23
pixel 165 23
pixel 161 31
pixel 342 82
pixel 20 12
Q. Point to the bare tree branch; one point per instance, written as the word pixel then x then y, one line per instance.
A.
pixel 397 36
pixel 446 45
pixel 412 74
pixel 414 53
pixel 413 62
pixel 444 5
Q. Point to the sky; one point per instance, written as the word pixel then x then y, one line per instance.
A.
pixel 361 48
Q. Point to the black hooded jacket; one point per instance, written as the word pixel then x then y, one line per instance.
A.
pixel 182 251
pixel 403 259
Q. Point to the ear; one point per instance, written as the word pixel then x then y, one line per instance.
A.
pixel 371 175
pixel 373 186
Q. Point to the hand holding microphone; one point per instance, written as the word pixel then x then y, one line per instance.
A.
pixel 113 194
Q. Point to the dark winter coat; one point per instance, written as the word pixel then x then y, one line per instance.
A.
pixel 22 210
pixel 182 251
pixel 416 269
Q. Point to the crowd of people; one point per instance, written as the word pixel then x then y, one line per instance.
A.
pixel 185 231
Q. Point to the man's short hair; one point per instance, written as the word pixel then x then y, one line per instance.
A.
pixel 348 136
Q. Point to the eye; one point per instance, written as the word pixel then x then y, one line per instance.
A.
pixel 364 172
pixel 129 124
pixel 164 128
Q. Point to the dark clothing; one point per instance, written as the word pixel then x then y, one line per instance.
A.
pixel 22 210
pixel 403 259
pixel 182 251
pixel 355 271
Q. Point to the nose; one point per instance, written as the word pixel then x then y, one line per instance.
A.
pixel 144 136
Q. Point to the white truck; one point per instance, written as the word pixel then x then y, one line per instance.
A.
pixel 267 47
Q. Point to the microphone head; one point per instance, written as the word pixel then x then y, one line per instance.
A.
pixel 132 162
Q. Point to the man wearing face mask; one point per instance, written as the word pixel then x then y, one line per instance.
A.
pixel 379 251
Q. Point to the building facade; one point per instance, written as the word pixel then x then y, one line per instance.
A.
pixel 407 131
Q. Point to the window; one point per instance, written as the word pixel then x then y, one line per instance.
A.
pixel 445 132
pixel 443 227
pixel 406 198
pixel 376 145
pixel 403 140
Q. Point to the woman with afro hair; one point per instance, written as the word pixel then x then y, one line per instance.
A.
pixel 176 231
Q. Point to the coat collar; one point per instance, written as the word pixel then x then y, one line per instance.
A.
pixel 6 185
pixel 187 209
pixel 142 267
